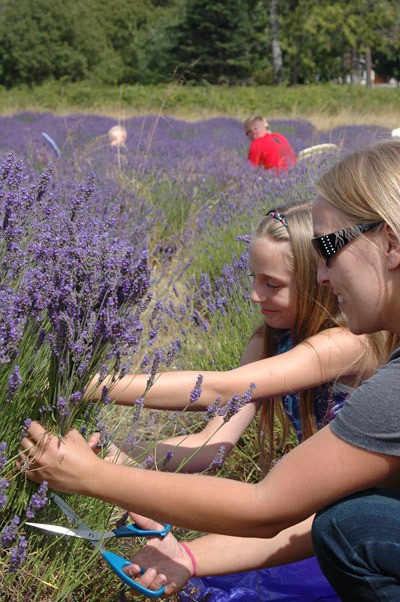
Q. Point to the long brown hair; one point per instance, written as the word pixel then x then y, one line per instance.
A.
pixel 316 310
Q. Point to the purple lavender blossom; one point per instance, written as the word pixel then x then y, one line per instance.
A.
pixel 38 501
pixel 232 407
pixel 196 392
pixel 219 458
pixel 18 554
pixel 212 409
pixel 147 462
pixel 9 533
pixel 14 382
pixel 168 457
pixel 4 484
pixel 200 321
pixel 139 405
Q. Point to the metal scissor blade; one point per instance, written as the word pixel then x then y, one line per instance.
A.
pixel 69 513
pixel 57 529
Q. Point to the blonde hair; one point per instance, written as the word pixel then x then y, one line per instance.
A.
pixel 250 121
pixel 365 185
pixel 117 135
pixel 316 310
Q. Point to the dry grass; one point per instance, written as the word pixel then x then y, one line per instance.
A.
pixel 322 121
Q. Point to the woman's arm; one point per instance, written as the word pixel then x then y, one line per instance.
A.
pixel 328 355
pixel 319 471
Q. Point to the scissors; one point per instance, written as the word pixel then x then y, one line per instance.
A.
pixel 117 563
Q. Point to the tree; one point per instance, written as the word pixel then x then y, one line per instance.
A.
pixel 37 42
pixel 275 43
pixel 220 41
pixel 92 39
pixel 325 40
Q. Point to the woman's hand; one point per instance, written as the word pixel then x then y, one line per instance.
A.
pixel 165 560
pixel 66 463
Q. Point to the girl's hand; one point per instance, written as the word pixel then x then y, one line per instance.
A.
pixel 113 453
pixel 165 560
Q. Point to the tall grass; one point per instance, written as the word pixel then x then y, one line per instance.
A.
pixel 326 105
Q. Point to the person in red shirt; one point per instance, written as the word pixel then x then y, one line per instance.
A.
pixel 269 149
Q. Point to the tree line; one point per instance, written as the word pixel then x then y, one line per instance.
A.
pixel 197 41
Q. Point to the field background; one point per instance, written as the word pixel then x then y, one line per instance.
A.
pixel 325 105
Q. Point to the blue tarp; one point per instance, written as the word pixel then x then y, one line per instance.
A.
pixel 297 582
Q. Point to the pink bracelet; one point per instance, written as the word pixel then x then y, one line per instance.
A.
pixel 191 556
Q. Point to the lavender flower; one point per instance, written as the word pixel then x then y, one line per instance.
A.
pixel 147 462
pixel 168 457
pixel 218 458
pixel 196 392
pixel 9 533
pixel 200 321
pixel 4 484
pixel 14 382
pixel 18 554
pixel 212 409
pixel 38 501
pixel 233 406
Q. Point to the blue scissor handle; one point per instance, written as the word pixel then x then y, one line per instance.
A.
pixel 136 531
pixel 117 563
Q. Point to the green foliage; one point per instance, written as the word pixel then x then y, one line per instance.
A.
pixel 219 41
pixel 196 101
pixel 324 39
pixel 105 42
pixel 229 42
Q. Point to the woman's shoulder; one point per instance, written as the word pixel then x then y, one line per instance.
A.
pixel 339 336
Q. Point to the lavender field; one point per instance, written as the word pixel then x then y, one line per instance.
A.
pixel 116 259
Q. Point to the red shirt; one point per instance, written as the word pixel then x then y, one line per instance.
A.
pixel 272 151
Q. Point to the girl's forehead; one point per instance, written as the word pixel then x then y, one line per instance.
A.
pixel 266 251
pixel 266 243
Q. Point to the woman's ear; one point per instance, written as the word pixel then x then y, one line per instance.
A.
pixel 392 248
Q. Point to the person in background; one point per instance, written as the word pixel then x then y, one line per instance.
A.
pixel 269 150
pixel 117 135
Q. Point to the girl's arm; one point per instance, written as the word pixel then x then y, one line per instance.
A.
pixel 328 355
pixel 169 562
pixel 188 453
pixel 218 438
pixel 195 452
pixel 317 472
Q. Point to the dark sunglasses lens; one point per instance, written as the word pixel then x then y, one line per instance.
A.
pixel 319 247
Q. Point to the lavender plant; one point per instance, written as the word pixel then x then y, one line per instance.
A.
pixel 72 298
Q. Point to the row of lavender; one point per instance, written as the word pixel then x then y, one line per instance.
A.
pixel 113 259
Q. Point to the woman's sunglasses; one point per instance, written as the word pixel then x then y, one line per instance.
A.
pixel 332 243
